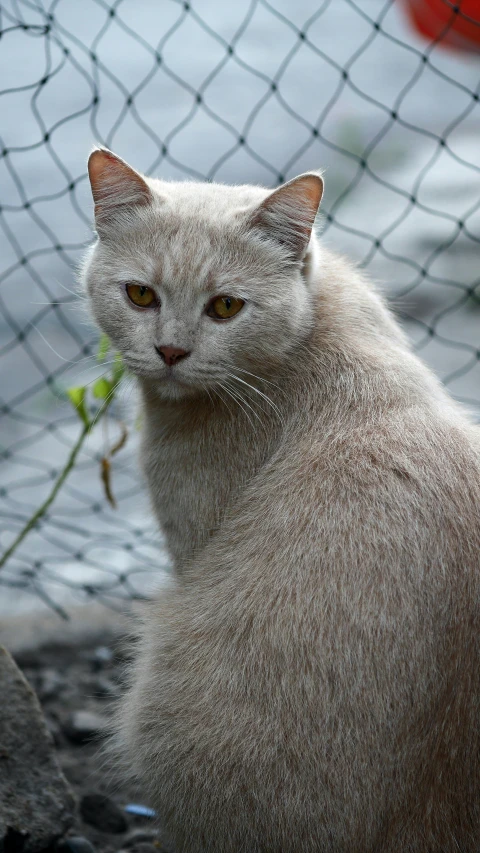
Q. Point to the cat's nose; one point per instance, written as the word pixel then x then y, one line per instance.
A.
pixel 170 355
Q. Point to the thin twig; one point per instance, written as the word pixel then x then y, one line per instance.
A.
pixel 42 509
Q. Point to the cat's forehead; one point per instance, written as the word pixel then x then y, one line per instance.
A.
pixel 212 201
pixel 192 260
pixel 192 236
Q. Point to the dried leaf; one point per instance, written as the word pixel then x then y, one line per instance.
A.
pixel 121 441
pixel 105 470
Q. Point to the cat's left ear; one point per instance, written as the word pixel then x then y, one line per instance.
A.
pixel 115 185
pixel 288 213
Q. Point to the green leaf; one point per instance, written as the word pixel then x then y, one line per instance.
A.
pixel 102 388
pixel 103 347
pixel 76 396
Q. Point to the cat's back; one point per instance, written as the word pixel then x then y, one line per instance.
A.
pixel 405 481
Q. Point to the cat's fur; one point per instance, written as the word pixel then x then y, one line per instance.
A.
pixel 310 680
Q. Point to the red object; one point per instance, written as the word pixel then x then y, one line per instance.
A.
pixel 453 24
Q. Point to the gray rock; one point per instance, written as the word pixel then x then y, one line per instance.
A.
pixel 139 836
pixel 83 726
pixel 36 803
pixel 75 844
pixel 54 729
pixel 101 812
pixel 143 847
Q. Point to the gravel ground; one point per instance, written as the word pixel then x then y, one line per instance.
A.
pixel 76 687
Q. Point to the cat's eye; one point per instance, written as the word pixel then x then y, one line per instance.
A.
pixel 140 294
pixel 224 307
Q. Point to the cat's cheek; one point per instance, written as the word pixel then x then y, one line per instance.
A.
pixel 100 316
pixel 111 318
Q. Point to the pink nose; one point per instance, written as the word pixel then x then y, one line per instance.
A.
pixel 170 355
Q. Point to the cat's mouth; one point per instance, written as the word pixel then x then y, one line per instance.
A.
pixel 170 375
pixel 164 375
pixel 170 382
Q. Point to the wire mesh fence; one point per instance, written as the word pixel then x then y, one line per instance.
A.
pixel 255 91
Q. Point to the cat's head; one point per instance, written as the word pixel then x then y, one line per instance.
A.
pixel 196 282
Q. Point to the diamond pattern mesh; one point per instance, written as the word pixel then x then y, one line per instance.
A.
pixel 253 91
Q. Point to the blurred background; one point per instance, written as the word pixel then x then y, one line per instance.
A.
pixel 381 94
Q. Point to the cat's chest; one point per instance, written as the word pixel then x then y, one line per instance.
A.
pixel 192 477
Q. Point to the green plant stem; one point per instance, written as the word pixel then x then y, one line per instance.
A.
pixel 37 515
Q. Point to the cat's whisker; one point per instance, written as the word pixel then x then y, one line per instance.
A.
pixel 228 394
pixel 81 361
pixel 127 388
pixel 254 375
pixel 217 392
pixel 210 397
pixel 240 401
pixel 105 403
pixel 264 396
pixel 238 395
pixel 212 374
pixel 93 358
pixel 205 387
pixel 78 376
pixel 77 294
pixel 49 345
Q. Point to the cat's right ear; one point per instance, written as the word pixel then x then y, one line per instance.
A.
pixel 115 186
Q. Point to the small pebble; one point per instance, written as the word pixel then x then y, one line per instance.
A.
pixel 105 687
pixel 75 844
pixel 144 847
pixel 101 656
pixel 50 684
pixel 138 836
pixel 101 812
pixel 137 809
pixel 83 726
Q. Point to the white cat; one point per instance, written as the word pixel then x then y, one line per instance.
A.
pixel 310 681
